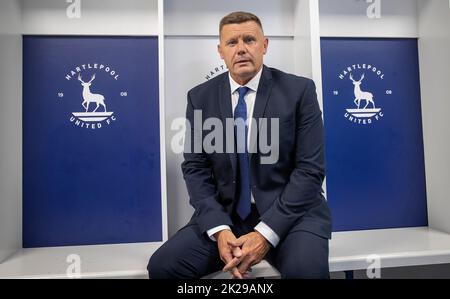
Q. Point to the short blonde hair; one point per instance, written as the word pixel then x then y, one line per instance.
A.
pixel 239 17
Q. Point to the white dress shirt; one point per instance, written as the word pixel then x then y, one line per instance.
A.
pixel 249 98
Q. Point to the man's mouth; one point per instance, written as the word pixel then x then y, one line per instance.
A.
pixel 243 61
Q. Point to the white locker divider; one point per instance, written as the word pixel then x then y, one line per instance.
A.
pixel 429 22
pixel 49 17
pixel 10 129
pixel 434 46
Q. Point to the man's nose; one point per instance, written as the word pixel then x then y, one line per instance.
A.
pixel 241 47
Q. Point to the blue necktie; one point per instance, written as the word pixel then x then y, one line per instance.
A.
pixel 244 202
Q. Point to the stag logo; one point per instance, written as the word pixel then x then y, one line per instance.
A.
pixel 89 97
pixel 364 110
pixel 94 113
pixel 361 95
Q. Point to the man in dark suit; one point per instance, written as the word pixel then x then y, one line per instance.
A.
pixel 248 207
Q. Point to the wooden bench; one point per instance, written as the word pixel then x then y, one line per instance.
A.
pixel 353 250
pixel 348 251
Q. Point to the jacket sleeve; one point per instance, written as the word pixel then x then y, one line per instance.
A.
pixel 305 183
pixel 199 178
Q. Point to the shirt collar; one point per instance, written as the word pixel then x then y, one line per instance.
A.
pixel 252 84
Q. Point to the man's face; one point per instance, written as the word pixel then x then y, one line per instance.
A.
pixel 243 46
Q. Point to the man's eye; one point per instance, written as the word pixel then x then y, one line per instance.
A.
pixel 232 43
pixel 249 40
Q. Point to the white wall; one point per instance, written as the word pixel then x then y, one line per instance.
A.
pixel 307 58
pixel 434 51
pixel 10 128
pixel 187 61
pixel 398 18
pixel 201 17
pixel 302 38
pixel 99 17
pixel 191 53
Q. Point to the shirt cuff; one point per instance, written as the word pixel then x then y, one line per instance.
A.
pixel 268 233
pixel 216 229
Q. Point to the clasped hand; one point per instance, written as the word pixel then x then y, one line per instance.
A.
pixel 239 254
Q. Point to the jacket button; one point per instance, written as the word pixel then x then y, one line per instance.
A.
pixel 234 182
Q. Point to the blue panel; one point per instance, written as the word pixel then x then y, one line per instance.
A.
pixel 90 176
pixel 374 152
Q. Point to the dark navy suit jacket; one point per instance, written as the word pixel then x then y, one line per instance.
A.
pixel 288 193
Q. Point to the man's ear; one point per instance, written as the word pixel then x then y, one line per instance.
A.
pixel 266 44
pixel 219 49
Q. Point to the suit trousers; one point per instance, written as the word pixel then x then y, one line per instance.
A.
pixel 192 254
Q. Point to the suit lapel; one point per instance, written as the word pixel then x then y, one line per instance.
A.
pixel 226 112
pixel 262 97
